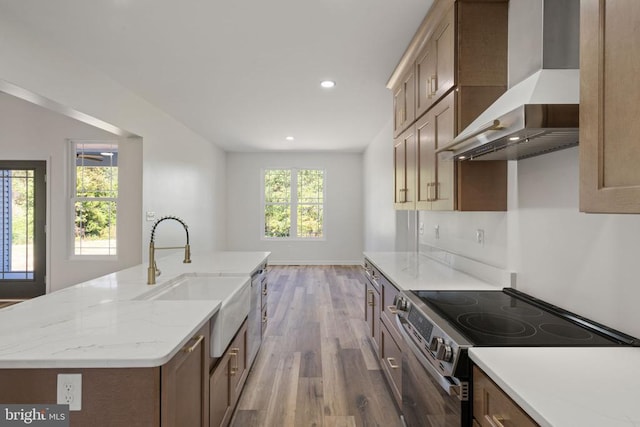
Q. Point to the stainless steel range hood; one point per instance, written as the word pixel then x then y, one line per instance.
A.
pixel 539 112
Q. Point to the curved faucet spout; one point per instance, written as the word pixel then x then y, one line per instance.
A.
pixel 153 271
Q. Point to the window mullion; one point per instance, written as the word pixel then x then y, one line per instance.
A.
pixel 294 203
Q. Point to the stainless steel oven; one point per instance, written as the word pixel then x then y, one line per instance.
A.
pixel 435 369
pixel 438 327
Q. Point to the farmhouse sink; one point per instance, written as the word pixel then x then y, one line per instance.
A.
pixel 234 292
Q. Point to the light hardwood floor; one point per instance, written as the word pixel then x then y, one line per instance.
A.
pixel 316 366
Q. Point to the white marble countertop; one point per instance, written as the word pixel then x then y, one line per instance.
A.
pixel 99 324
pixel 413 271
pixel 566 387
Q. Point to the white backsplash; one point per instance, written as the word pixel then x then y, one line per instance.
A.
pixel 585 263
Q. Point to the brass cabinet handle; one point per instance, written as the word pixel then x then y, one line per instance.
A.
pixel 264 319
pixel 372 301
pixel 234 353
pixel 433 83
pixel 494 421
pixel 264 291
pixel 191 349
pixel 391 361
pixel 403 191
pixel 392 309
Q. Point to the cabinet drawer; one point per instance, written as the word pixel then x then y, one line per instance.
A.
pixel 391 362
pixel 388 294
pixel 372 275
pixel 491 405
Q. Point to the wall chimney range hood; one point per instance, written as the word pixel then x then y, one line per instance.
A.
pixel 539 112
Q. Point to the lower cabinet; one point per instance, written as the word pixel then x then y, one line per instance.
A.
pixel 391 361
pixel 492 407
pixel 372 312
pixel 184 384
pixel 227 379
pixel 380 313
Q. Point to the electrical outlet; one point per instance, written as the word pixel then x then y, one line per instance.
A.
pixel 436 230
pixel 70 391
pixel 421 228
pixel 151 216
pixel 480 236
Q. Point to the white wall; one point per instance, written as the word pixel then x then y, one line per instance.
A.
pixel 379 216
pixel 30 132
pixel 342 216
pixel 586 263
pixel 183 174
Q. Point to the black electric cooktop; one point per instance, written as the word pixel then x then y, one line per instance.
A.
pixel 512 318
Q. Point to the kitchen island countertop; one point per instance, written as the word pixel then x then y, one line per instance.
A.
pixel 568 386
pixel 100 324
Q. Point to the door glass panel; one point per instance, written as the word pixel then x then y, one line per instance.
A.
pixel 17 224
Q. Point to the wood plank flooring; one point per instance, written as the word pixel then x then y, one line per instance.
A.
pixel 316 366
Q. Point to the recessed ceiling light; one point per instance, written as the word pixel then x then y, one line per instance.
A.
pixel 514 138
pixel 289 138
pixel 107 154
pixel 462 157
pixel 327 84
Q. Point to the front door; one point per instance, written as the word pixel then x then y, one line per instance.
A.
pixel 22 229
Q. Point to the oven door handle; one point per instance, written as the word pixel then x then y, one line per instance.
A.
pixel 447 384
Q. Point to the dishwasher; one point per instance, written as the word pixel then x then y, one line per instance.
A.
pixel 254 322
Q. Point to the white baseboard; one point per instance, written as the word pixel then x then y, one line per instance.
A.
pixel 315 262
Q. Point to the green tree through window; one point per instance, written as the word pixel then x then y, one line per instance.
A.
pixel 95 198
pixel 294 203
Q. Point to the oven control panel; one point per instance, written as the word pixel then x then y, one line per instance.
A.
pixel 438 347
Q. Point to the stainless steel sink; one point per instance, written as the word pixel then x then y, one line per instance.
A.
pixel 232 291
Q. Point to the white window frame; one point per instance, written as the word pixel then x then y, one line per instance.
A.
pixel 73 199
pixel 293 231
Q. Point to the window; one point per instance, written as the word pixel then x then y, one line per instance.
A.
pixel 94 200
pixel 294 203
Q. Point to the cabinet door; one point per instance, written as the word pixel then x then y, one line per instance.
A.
pixel 372 313
pixel 220 402
pixel 426 172
pixel 391 362
pixel 491 406
pixel 185 392
pixel 435 64
pixel 444 125
pixel 609 93
pixel 404 109
pixel 425 78
pixel 238 362
pixel 404 153
pixel 444 48
pixel 436 172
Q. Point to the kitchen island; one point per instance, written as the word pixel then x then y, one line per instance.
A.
pixel 122 343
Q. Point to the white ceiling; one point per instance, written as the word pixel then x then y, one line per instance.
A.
pixel 244 73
